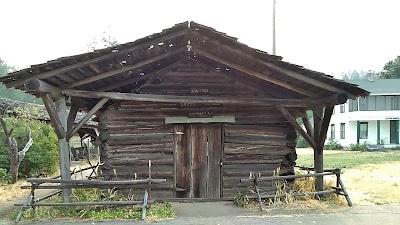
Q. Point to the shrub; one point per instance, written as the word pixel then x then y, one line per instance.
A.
pixel 359 147
pixel 5 177
pixel 333 145
pixel 42 156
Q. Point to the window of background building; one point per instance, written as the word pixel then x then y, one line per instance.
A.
pixel 380 102
pixel 353 105
pixel 371 103
pixel 342 108
pixel 342 131
pixel 332 131
pixel 363 103
pixel 364 130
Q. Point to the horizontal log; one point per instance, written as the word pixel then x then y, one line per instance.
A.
pixel 93 203
pixel 69 186
pixel 255 129
pixel 257 120
pixel 268 150
pixel 275 178
pixel 135 121
pixel 150 148
pixel 140 129
pixel 266 140
pixel 193 99
pixel 216 111
pixel 94 182
pixel 38 86
pixel 140 170
pixel 192 78
pixel 234 182
pixel 139 140
pixel 294 194
pixel 143 156
pixel 121 162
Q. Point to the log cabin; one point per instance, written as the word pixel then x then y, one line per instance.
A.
pixel 204 108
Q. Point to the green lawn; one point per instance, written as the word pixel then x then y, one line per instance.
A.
pixel 351 159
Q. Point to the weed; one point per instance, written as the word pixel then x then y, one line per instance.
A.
pixel 155 212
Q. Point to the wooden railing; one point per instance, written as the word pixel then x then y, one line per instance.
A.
pixel 60 184
pixel 338 189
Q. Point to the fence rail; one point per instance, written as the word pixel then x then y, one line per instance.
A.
pixel 339 189
pixel 60 184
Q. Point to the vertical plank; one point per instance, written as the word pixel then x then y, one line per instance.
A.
pixel 182 138
pixel 214 161
pixel 199 161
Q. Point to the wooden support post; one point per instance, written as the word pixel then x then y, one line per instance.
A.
pixel 63 146
pixel 318 150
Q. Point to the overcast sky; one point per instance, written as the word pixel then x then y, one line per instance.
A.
pixel 330 36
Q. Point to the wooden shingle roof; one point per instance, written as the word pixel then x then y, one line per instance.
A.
pixel 125 68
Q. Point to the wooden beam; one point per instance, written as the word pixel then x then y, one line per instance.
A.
pixel 234 79
pixel 123 69
pixel 71 116
pixel 55 120
pixel 255 74
pixel 296 126
pixel 308 126
pixel 325 124
pixel 191 99
pixel 99 59
pixel 37 86
pixel 135 79
pixel 297 76
pixel 87 117
pixel 317 116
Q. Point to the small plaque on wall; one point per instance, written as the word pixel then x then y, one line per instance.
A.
pixel 204 114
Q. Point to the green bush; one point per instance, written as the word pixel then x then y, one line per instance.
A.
pixel 301 142
pixel 359 147
pixel 42 156
pixel 5 177
pixel 333 145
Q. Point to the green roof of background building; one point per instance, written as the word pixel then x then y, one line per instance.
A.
pixel 379 86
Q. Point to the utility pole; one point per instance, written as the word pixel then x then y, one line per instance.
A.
pixel 273 28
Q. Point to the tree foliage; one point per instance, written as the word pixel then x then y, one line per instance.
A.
pixel 42 158
pixel 391 70
pixel 354 75
pixel 13 93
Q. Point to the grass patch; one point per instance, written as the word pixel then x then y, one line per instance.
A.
pixel 351 159
pixel 156 212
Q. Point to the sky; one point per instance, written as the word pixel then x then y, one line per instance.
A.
pixel 330 36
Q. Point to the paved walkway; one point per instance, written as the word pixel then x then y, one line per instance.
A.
pixel 223 213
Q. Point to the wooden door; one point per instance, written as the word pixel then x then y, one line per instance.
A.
pixel 198 154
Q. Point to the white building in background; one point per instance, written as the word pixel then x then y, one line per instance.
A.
pixel 373 119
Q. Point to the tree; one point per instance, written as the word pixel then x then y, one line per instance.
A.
pixel 14 93
pixel 16 156
pixel 391 70
pixel 354 75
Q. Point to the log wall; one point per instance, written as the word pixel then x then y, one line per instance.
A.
pixel 134 133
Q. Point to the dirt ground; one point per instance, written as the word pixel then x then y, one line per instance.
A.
pixel 369 184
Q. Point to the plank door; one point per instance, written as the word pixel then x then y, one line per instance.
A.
pixel 198 154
